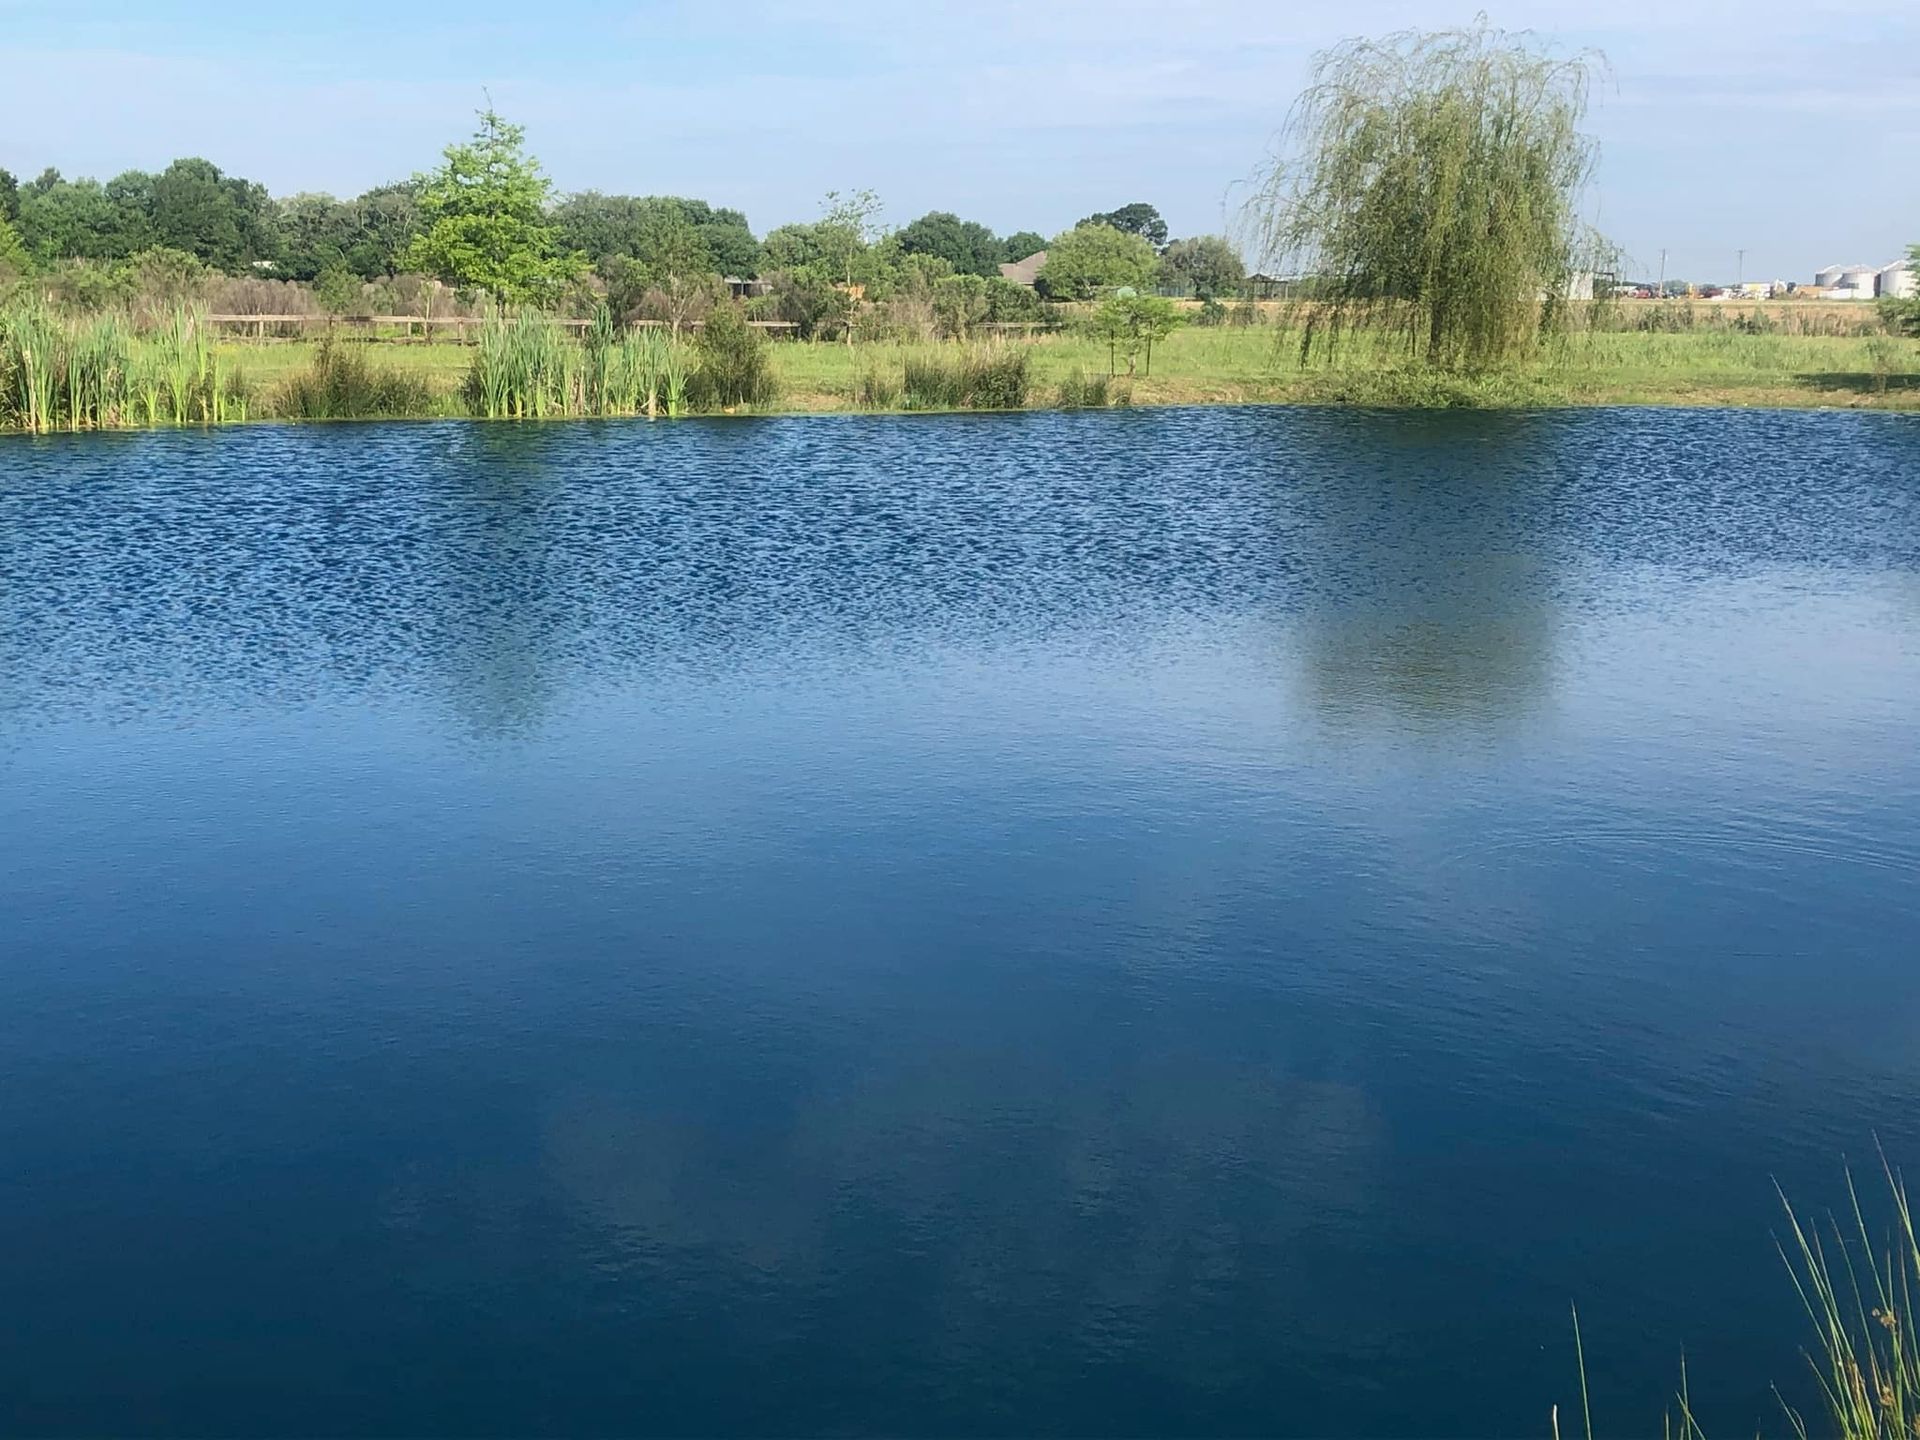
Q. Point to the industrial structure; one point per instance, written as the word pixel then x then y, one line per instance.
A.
pixel 1865 282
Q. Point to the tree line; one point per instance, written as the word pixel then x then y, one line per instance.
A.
pixel 487 221
pixel 1429 184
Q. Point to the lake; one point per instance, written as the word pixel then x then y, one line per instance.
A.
pixel 1206 922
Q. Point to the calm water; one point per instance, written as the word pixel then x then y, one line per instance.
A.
pixel 1195 922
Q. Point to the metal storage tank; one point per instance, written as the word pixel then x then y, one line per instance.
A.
pixel 1860 277
pixel 1828 277
pixel 1896 281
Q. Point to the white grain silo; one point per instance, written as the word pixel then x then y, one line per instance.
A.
pixel 1828 278
pixel 1895 281
pixel 1860 280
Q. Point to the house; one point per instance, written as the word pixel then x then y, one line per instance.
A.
pixel 1025 272
pixel 746 289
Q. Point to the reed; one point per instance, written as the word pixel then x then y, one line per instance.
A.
pixel 642 369
pixel 675 372
pixel 183 366
pixel 1859 1294
pixel 31 342
pixel 97 372
pixel 526 368
pixel 97 365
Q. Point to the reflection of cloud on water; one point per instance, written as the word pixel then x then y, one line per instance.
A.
pixel 1112 1208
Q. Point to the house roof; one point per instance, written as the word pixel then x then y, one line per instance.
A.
pixel 1025 272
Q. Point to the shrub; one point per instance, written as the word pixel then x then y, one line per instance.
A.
pixel 342 384
pixel 1080 391
pixel 989 379
pixel 730 362
pixel 878 390
pixel 1415 388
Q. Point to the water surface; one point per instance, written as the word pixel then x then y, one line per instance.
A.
pixel 1189 922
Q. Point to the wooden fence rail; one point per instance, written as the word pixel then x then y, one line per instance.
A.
pixel 258 326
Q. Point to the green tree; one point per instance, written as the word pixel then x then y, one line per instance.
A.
pixel 1021 244
pixel 389 219
pixel 1131 323
pixel 1432 183
pixel 1138 218
pixel 959 304
pixel 605 226
pixel 672 257
pixel 317 233
pixel 1207 265
pixel 222 220
pixel 598 226
pixel 807 296
pixel 69 220
pixel 791 247
pixel 165 276
pixel 849 225
pixel 913 276
pixel 730 361
pixel 1091 258
pixel 14 260
pixel 483 221
pixel 1903 316
pixel 971 248
pixel 1007 301
pixel 9 198
pixel 668 245
pixel 337 290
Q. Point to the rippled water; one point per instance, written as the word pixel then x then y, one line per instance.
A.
pixel 1214 922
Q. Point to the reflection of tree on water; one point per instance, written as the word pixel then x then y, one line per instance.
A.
pixel 1432 571
pixel 498 628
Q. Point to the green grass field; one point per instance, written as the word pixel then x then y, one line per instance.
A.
pixel 1261 364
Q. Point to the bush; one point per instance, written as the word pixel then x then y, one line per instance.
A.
pixel 878 390
pixel 990 379
pixel 342 384
pixel 806 296
pixel 1416 388
pixel 730 362
pixel 1080 391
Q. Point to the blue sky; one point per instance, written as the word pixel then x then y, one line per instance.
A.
pixel 1790 130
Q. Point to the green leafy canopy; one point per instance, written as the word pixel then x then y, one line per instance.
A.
pixel 1430 184
pixel 483 219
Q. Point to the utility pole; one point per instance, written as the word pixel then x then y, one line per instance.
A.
pixel 1740 269
pixel 1662 293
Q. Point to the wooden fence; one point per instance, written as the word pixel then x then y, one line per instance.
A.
pixel 458 328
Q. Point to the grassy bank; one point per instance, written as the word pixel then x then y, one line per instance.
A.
pixel 1259 365
pixel 173 376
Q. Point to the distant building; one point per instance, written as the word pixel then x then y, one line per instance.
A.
pixel 1262 286
pixel 1025 272
pixel 1848 282
pixel 747 289
pixel 1895 281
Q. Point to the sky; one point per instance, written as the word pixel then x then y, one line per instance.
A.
pixel 1789 131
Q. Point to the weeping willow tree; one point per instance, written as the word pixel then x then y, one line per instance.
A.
pixel 1429 185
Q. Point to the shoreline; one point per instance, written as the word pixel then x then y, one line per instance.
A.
pixel 1902 405
pixel 1195 367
